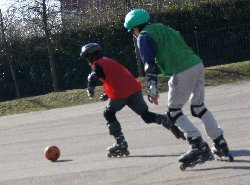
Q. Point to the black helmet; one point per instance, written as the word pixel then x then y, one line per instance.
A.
pixel 89 49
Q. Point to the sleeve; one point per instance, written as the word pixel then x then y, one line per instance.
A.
pixel 99 71
pixel 147 48
pixel 95 75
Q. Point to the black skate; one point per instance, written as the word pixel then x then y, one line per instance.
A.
pixel 118 150
pixel 199 153
pixel 168 124
pixel 221 150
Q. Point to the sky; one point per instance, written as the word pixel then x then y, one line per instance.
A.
pixel 4 4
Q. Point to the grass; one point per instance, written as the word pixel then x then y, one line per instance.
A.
pixel 215 75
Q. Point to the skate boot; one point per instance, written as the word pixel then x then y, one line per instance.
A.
pixel 118 149
pixel 170 125
pixel 198 154
pixel 221 149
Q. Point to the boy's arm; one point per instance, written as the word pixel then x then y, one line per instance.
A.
pixel 148 48
pixel 93 79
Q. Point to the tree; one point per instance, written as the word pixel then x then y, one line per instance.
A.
pixel 47 30
pixel 8 51
pixel 43 15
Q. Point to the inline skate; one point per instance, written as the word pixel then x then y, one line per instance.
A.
pixel 221 150
pixel 199 153
pixel 118 150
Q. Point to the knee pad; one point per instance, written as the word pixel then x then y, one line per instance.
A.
pixel 113 125
pixel 174 114
pixel 198 110
pixel 148 117
pixel 109 116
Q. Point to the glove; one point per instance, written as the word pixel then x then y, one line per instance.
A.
pixel 92 80
pixel 91 91
pixel 152 93
pixel 104 97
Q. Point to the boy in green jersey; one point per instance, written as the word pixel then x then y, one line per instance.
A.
pixel 163 50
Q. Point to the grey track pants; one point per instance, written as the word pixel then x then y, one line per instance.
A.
pixel 186 85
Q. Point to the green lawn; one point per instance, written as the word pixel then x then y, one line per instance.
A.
pixel 214 76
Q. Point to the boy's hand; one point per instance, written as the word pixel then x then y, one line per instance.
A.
pixel 153 100
pixel 153 94
pixel 104 97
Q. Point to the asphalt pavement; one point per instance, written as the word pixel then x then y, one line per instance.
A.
pixel 82 136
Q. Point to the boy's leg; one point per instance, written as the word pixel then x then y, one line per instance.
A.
pixel 199 110
pixel 113 124
pixel 180 88
pixel 119 148
pixel 211 126
pixel 137 103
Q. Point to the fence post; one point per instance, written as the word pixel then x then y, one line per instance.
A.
pixel 138 59
pixel 196 41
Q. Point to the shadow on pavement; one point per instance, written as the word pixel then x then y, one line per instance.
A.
pixel 63 160
pixel 240 153
pixel 172 155
pixel 235 153
pixel 222 167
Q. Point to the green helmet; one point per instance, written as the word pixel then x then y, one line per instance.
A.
pixel 135 18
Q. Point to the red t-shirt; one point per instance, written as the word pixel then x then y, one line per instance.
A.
pixel 119 82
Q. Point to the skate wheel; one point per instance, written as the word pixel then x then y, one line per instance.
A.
pixel 120 154
pixel 182 167
pixel 127 153
pixel 109 155
pixel 201 162
pixel 231 158
pixel 211 158
pixel 123 154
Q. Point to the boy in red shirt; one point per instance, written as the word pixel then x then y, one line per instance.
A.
pixel 122 88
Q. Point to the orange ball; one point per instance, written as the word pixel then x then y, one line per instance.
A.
pixel 52 153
